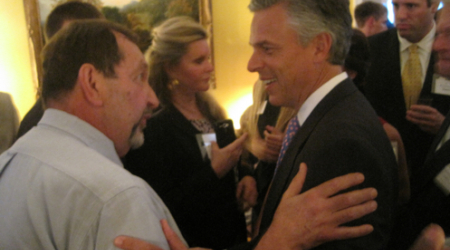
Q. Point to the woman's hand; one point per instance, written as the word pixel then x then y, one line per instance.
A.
pixel 224 159
pixel 267 149
pixel 247 193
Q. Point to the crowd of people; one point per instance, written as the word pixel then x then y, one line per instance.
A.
pixel 345 145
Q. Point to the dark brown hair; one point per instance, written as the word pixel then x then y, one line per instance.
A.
pixel 73 10
pixel 368 9
pixel 86 41
pixel 358 58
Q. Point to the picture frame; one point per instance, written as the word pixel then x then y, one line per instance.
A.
pixel 140 16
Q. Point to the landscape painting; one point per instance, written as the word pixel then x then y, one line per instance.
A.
pixel 140 16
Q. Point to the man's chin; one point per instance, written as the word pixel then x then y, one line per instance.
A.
pixel 137 140
pixel 275 101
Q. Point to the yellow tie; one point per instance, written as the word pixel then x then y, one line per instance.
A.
pixel 412 77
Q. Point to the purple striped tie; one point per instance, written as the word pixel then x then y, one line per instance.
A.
pixel 292 129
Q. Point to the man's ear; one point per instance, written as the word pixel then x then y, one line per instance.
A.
pixel 90 79
pixel 322 43
pixel 370 22
pixel 434 7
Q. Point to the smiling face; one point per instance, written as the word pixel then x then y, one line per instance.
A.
pixel 283 64
pixel 442 42
pixel 129 98
pixel 413 18
pixel 194 69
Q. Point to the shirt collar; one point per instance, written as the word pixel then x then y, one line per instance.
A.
pixel 82 131
pixel 422 44
pixel 317 96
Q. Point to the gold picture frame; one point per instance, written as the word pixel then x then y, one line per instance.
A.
pixel 199 9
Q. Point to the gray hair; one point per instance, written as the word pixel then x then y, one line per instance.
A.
pixel 312 17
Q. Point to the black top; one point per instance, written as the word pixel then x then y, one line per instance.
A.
pixel 204 206
pixel 32 118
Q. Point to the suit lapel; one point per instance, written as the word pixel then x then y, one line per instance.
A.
pixel 426 89
pixel 397 71
pixel 438 138
pixel 433 163
pixel 288 167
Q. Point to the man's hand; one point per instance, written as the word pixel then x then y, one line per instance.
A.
pixel 302 221
pixel 426 117
pixel 314 217
pixel 259 148
pixel 130 243
pixel 273 139
pixel 246 193
pixel 431 238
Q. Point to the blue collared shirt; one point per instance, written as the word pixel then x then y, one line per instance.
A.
pixel 63 186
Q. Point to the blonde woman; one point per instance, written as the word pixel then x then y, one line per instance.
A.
pixel 200 192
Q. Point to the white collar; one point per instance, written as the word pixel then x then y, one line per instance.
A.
pixel 314 99
pixel 422 44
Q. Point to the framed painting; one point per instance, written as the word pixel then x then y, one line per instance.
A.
pixel 140 16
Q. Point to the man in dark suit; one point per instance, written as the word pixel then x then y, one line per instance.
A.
pixel 417 118
pixel 300 61
pixel 430 188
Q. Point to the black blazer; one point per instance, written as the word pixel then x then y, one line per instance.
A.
pixel 428 204
pixel 31 118
pixel 385 92
pixel 204 207
pixel 342 135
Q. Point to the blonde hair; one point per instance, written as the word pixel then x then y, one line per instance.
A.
pixel 170 43
pixel 249 121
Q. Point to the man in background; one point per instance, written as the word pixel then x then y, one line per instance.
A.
pixel 58 18
pixel 371 18
pixel 400 83
pixel 430 193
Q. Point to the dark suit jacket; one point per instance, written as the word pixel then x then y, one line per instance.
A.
pixel 385 92
pixel 31 118
pixel 203 206
pixel 342 135
pixel 428 204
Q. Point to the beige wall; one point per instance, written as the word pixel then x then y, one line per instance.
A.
pixel 16 75
pixel 231 28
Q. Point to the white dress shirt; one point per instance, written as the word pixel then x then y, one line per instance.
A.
pixel 314 99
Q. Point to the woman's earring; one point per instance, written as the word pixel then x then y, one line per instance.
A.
pixel 172 84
